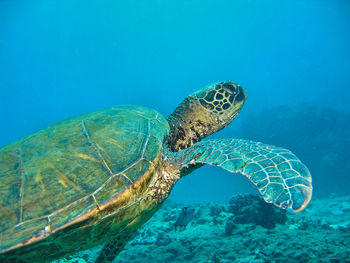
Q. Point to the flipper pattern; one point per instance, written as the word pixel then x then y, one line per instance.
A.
pixel 279 175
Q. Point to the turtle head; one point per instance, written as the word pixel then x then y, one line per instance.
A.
pixel 203 113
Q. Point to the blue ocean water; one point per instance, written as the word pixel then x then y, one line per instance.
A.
pixel 63 58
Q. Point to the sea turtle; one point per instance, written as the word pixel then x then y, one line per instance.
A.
pixel 96 178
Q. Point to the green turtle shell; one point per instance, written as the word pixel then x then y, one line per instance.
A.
pixel 67 172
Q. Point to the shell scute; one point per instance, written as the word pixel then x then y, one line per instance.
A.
pixel 23 232
pixel 61 217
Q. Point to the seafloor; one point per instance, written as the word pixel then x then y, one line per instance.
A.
pixel 245 230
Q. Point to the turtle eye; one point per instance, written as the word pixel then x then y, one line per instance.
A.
pixel 230 87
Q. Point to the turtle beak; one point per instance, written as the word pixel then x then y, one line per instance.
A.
pixel 241 95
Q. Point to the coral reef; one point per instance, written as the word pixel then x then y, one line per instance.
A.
pixel 239 232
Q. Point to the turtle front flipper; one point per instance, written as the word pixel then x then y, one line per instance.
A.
pixel 279 175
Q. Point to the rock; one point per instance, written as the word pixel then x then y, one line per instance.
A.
pixel 229 227
pixel 252 209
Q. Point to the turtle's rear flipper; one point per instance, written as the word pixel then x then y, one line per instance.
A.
pixel 278 174
pixel 112 249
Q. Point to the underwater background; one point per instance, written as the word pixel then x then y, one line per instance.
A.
pixel 63 58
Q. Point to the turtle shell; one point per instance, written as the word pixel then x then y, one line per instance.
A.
pixel 72 170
